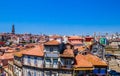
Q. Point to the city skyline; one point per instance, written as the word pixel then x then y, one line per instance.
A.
pixel 60 17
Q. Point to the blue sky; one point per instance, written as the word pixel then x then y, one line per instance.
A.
pixel 60 16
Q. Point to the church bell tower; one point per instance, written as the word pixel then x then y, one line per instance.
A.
pixel 13 29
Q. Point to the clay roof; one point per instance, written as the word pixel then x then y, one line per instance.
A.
pixel 82 62
pixel 75 37
pixel 76 42
pixel 29 45
pixel 96 61
pixel 4 48
pixel 20 53
pixel 81 48
pixel 52 42
pixel 55 36
pixel 7 56
pixel 67 53
pixel 10 51
pixel 37 51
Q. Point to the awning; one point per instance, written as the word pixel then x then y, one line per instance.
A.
pixel 83 68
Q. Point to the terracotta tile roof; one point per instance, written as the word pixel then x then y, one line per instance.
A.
pixel 20 53
pixel 37 51
pixel 89 39
pixel 29 45
pixel 4 48
pixel 55 36
pixel 75 37
pixel 82 62
pixel 7 56
pixel 69 43
pixel 52 42
pixel 67 53
pixel 10 51
pixel 81 48
pixel 23 50
pixel 96 61
pixel 76 42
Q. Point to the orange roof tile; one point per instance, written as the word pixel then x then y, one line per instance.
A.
pixel 55 36
pixel 76 42
pixel 19 54
pixel 82 62
pixel 10 51
pixel 96 61
pixel 81 48
pixel 23 50
pixel 75 37
pixel 37 51
pixel 4 48
pixel 68 53
pixel 52 42
pixel 7 56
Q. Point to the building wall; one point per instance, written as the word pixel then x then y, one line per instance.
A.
pixel 65 73
pixel 51 62
pixel 66 62
pixel 51 56
pixel 33 61
pixel 28 71
pixel 17 71
pixel 115 44
pixel 98 50
pixel 52 49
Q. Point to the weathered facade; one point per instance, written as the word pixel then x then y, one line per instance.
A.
pixel 48 60
pixel 98 50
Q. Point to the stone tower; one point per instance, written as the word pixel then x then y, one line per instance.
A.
pixel 13 29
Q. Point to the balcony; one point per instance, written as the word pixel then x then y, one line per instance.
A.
pixel 51 66
pixel 18 63
pixel 51 54
pixel 58 66
pixel 68 67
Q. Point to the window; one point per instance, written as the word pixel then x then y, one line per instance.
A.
pixel 94 50
pixel 48 61
pixel 29 73
pixel 55 61
pixel 28 60
pixel 40 61
pixel 55 49
pixel 35 60
pixel 47 74
pixel 67 62
pixel 103 71
pixel 54 74
pixel 35 73
pixel 96 71
pixel 51 49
